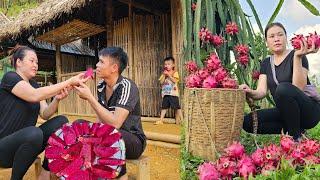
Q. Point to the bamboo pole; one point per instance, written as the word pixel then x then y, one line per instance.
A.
pixel 109 23
pixel 169 138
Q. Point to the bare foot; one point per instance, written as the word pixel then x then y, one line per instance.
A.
pixel 44 175
pixel 158 122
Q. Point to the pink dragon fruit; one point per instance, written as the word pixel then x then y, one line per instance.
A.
pixel 193 81
pixel 111 161
pixel 312 160
pixel 297 40
pixel 226 167
pixel 310 147
pixel 229 83
pixel 203 73
pixel 210 82
pixel 267 168
pixel 313 38
pixel 258 157
pixel 217 40
pixel 246 167
pixel 235 150
pixel 207 171
pixel 69 135
pixel 243 59
pixel 272 154
pixel 191 66
pixel 220 74
pixel 89 73
pixel 287 143
pixel 298 155
pixel 241 49
pixel 205 35
pixel 194 6
pixel 213 62
pixel 232 28
pixel 255 75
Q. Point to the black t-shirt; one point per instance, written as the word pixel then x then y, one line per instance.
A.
pixel 125 95
pixel 284 71
pixel 15 113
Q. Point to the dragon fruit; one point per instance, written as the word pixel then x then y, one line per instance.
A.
pixel 235 150
pixel 205 35
pixel 313 38
pixel 193 81
pixel 191 66
pixel 226 167
pixel 220 74
pixel 194 6
pixel 255 75
pixel 241 49
pixel 213 62
pixel 89 73
pixel 287 143
pixel 258 157
pixel 246 167
pixel 229 83
pixel 207 171
pixel 297 40
pixel 203 73
pixel 311 147
pixel 210 82
pixel 243 60
pixel 86 151
pixel 232 28
pixel 298 155
pixel 217 40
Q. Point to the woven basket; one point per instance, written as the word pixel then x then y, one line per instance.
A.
pixel 213 119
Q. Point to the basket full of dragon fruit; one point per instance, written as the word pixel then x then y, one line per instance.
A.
pixel 214 106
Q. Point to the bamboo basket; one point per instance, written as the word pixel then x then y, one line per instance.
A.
pixel 214 118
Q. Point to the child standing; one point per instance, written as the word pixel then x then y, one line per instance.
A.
pixel 169 90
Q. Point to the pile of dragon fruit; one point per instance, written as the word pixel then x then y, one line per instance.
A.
pixel 214 75
pixel 87 151
pixel 235 162
pixel 299 38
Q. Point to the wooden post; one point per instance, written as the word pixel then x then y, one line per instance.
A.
pixel 58 68
pixel 109 23
pixel 131 43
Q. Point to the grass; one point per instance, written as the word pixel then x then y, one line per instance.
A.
pixel 16 9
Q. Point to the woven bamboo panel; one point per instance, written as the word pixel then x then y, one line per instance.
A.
pixel 152 43
pixel 70 32
pixel 73 63
pixel 213 119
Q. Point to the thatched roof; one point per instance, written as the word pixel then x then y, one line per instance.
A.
pixel 4 19
pixel 44 13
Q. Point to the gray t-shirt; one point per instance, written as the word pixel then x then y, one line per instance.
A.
pixel 125 95
pixel 284 71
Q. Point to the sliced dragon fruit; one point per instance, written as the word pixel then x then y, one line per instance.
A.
pixel 104 129
pixel 77 127
pixel 54 140
pixel 81 174
pixel 94 128
pixel 91 140
pixel 58 165
pixel 69 135
pixel 53 152
pixel 111 161
pixel 86 153
pixel 104 171
pixel 105 151
pixel 73 151
pixel 108 140
pixel 71 168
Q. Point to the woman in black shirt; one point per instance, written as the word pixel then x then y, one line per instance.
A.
pixel 21 101
pixel 294 111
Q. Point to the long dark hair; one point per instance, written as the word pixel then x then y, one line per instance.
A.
pixel 19 52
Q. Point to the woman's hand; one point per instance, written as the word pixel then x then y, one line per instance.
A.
pixel 63 94
pixel 304 49
pixel 246 89
pixel 80 78
pixel 83 91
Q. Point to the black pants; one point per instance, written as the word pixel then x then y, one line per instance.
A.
pixel 19 149
pixel 294 112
